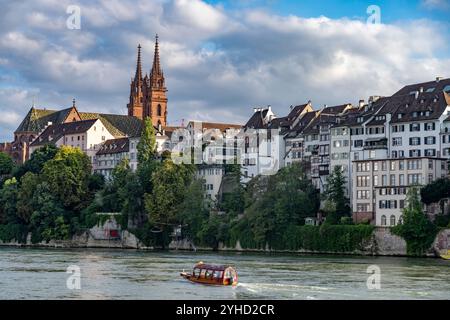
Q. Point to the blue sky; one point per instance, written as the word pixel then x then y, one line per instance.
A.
pixel 392 10
pixel 221 58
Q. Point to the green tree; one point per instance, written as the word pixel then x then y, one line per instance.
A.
pixel 193 210
pixel 147 143
pixel 416 229
pixel 8 200
pixel 68 176
pixel 6 164
pixel 37 160
pixel 25 199
pixel 335 194
pixel 169 187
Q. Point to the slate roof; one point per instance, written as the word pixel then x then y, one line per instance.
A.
pixel 114 146
pixel 54 132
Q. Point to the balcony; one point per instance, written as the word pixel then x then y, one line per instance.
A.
pixel 375 143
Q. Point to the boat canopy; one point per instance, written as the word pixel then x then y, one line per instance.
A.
pixel 210 267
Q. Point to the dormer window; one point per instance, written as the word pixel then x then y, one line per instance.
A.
pixel 400 115
pixel 422 100
pixel 414 114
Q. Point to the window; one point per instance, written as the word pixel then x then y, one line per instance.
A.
pixel 430 152
pixel 401 165
pixel 429 126
pixel 383 220
pixel 397 141
pixel 392 165
pixel 159 110
pixel 415 141
pixel 392 179
pixel 414 164
pixel 384 180
pixel 383 165
pixel 414 179
pixel 414 127
pixel 375 166
pixel 401 179
pixel 358 143
pixel 414 153
pixel 392 220
pixel 372 154
pixel 375 181
pixel 430 140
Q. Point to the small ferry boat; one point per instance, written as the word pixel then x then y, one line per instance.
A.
pixel 445 254
pixel 212 275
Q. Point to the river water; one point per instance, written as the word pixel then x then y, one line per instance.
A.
pixel 129 274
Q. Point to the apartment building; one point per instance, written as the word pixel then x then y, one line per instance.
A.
pixel 381 185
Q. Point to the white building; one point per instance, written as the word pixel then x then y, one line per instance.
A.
pixel 380 186
pixel 87 135
pixel 111 153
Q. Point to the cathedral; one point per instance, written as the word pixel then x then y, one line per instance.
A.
pixel 148 94
pixel 147 99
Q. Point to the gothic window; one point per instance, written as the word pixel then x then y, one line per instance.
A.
pixel 392 220
pixel 159 110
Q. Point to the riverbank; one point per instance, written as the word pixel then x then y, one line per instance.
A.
pixel 381 243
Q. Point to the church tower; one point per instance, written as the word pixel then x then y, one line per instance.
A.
pixel 155 95
pixel 136 104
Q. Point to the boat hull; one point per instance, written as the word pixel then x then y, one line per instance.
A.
pixel 211 282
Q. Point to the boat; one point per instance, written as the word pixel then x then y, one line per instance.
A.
pixel 445 254
pixel 220 275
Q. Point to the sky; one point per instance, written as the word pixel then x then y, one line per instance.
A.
pixel 221 58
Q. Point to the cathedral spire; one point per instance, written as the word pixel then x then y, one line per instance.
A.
pixel 156 68
pixel 138 76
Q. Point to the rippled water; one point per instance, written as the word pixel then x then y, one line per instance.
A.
pixel 124 274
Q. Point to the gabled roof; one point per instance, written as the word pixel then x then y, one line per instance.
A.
pixel 37 119
pixel 117 125
pixel 256 121
pixel 54 132
pixel 114 146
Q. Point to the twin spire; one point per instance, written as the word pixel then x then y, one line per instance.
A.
pixel 156 73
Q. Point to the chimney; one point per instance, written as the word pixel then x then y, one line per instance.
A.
pixel 291 107
pixel 361 103
pixel 438 79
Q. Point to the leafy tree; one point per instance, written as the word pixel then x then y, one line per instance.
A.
pixel 147 144
pixel 25 204
pixel 37 160
pixel 193 210
pixel 169 186
pixel 436 192
pixel 416 229
pixel 335 194
pixel 6 164
pixel 8 200
pixel 68 177
pixel 232 200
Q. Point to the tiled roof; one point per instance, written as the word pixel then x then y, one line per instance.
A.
pixel 295 112
pixel 114 146
pixel 55 132
pixel 117 125
pixel 256 121
pixel 37 119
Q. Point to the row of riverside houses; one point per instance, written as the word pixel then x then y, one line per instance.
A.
pixel 382 146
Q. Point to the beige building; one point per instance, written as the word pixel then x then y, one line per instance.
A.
pixel 380 186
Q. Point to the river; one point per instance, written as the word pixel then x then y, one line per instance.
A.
pixel 129 274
